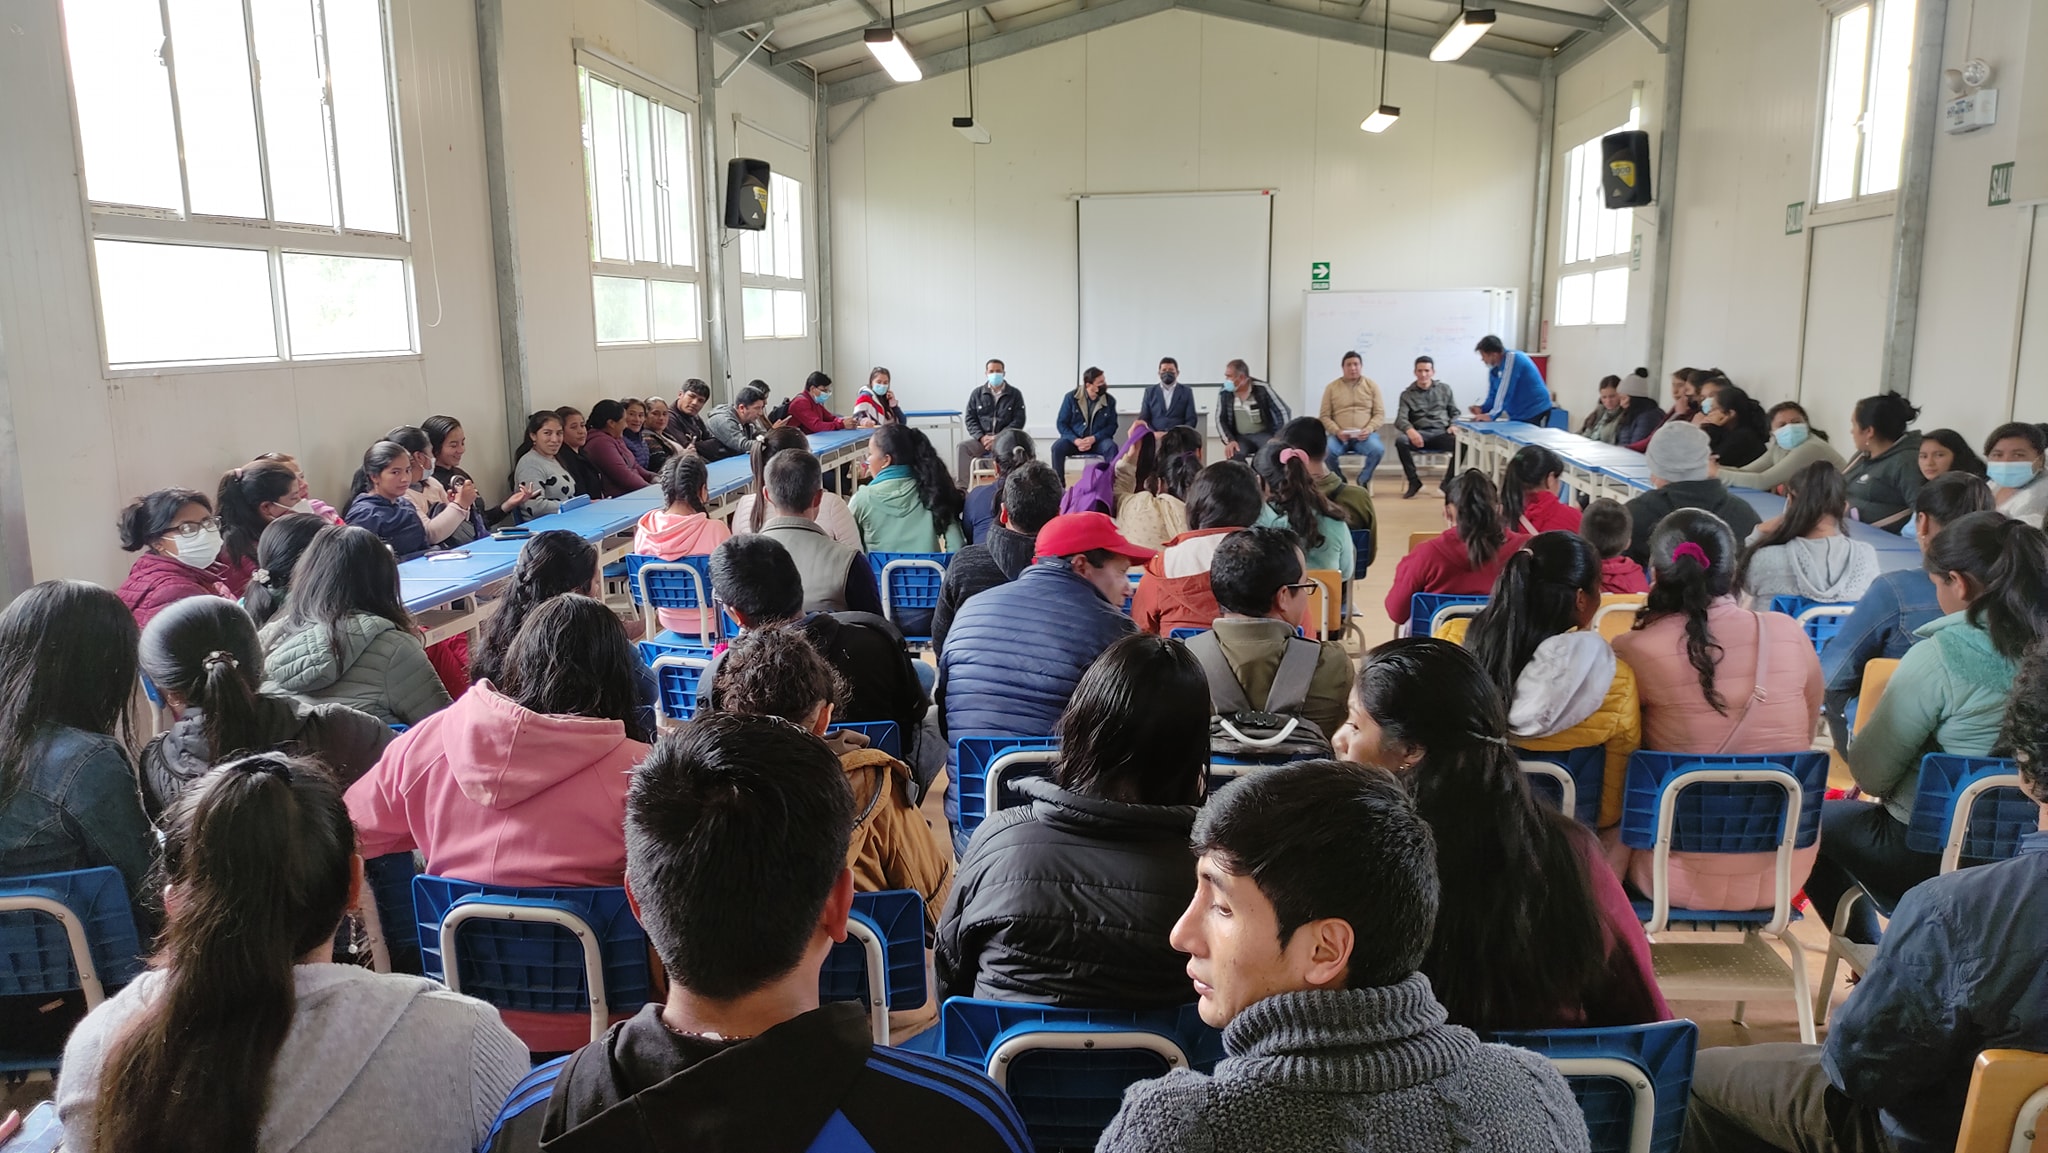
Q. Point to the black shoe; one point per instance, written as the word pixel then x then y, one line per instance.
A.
pixel 1414 486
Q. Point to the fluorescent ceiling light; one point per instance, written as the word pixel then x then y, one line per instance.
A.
pixel 894 56
pixel 1382 118
pixel 1462 34
pixel 974 133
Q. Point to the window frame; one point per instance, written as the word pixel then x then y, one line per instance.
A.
pixel 1859 203
pixel 108 220
pixel 1591 267
pixel 590 64
pixel 772 283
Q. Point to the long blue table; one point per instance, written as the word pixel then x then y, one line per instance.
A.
pixel 442 588
pixel 1610 470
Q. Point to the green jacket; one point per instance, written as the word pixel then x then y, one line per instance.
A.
pixel 379 668
pixel 893 518
pixel 1335 553
pixel 1948 696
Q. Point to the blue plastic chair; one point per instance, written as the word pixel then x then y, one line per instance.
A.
pixel 910 583
pixel 534 950
pixel 1424 608
pixel 1632 1083
pixel 1560 418
pixel 1820 619
pixel 1066 1069
pixel 1725 803
pixel 678 679
pixel 976 758
pixel 680 585
pixel 389 878
pixel 1971 811
pixel 64 933
pixel 574 503
pixel 881 962
pixel 1361 543
pixel 1184 634
pixel 1587 770
pixel 883 735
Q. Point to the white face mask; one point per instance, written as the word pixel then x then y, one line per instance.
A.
pixel 200 549
pixel 306 506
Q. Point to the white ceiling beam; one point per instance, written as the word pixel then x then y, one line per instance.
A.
pixel 1585 44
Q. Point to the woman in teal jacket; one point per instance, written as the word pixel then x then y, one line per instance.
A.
pixel 1948 696
pixel 1293 501
pixel 910 503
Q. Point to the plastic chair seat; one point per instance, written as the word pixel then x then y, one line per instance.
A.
pixel 910 583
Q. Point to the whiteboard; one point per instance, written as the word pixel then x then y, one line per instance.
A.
pixel 1389 330
pixel 1180 275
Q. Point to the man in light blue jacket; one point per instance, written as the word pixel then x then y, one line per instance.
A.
pixel 1514 389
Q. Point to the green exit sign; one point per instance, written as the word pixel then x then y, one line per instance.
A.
pixel 1319 276
pixel 2001 184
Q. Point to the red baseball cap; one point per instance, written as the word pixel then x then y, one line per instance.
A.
pixel 1079 532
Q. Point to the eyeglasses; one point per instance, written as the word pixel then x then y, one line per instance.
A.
pixel 1302 586
pixel 194 528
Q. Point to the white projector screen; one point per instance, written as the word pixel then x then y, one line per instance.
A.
pixel 1182 275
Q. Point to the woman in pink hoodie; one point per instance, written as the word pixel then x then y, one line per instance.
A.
pixel 522 783
pixel 682 529
pixel 1714 677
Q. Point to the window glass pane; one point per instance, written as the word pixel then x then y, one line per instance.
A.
pixel 621 308
pixel 682 245
pixel 792 257
pixel 1575 299
pixel 1610 296
pixel 294 118
pixel 1589 199
pixel 1840 131
pixel 757 313
pixel 675 309
pixel 1884 138
pixel 169 302
pixel 750 252
pixel 336 305
pixel 608 172
pixel 640 178
pixel 123 95
pixel 1568 251
pixel 362 115
pixel 789 314
pixel 211 52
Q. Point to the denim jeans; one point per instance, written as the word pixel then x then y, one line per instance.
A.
pixel 1064 448
pixel 1369 446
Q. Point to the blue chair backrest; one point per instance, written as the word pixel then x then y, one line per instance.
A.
pixel 680 685
pixel 668 587
pixel 1422 608
pixel 35 951
pixel 1361 544
pixel 573 503
pixel 1183 634
pixel 1822 628
pixel 910 588
pixel 1994 824
pixel 882 735
pixel 1662 1054
pixel 897 917
pixel 1068 1096
pixel 1588 769
pixel 1722 816
pixel 972 756
pixel 390 880
pixel 536 967
pixel 1561 418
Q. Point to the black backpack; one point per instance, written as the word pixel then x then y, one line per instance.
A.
pixel 1276 731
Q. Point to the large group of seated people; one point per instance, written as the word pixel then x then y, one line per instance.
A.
pixel 1357 921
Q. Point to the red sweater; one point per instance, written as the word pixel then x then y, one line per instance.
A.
pixel 1441 566
pixel 1543 512
pixel 1618 574
pixel 809 415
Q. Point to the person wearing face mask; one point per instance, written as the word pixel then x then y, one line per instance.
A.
pixel 807 409
pixel 1168 404
pixel 303 494
pixel 992 407
pixel 1248 413
pixel 180 541
pixel 249 498
pixel 2012 460
pixel 1794 445
pixel 876 403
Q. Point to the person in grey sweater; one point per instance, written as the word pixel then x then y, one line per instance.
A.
pixel 244 1036
pixel 1315 900
pixel 1422 419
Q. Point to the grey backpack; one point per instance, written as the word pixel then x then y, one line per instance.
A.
pixel 1276 731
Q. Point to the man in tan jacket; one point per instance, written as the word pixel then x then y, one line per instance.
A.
pixel 1352 415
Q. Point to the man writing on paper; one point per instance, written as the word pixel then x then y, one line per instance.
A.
pixel 1514 389
pixel 1352 414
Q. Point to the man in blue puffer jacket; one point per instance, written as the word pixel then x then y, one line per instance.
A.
pixel 1016 651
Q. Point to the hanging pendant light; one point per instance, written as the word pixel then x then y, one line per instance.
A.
pixel 1464 32
pixel 965 125
pixel 892 52
pixel 1383 117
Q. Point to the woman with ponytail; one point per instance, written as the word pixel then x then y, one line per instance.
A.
pixel 752 512
pixel 1716 678
pixel 1467 558
pixel 909 503
pixel 684 528
pixel 1564 686
pixel 243 1037
pixel 203 656
pixel 249 498
pixel 1013 447
pixel 1528 493
pixel 1533 931
pixel 1806 552
pixel 1295 502
pixel 1948 696
pixel 277 559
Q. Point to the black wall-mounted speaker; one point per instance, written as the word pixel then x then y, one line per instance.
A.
pixel 746 193
pixel 1625 169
